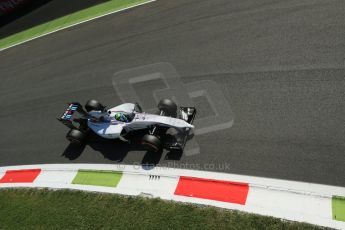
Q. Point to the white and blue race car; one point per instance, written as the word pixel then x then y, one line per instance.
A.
pixel 125 119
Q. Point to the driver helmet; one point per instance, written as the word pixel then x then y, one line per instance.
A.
pixel 120 117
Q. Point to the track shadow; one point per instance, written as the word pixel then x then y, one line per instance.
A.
pixel 36 12
pixel 174 155
pixel 151 159
pixel 114 150
pixel 73 151
pixel 26 8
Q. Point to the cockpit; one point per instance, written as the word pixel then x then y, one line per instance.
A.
pixel 121 116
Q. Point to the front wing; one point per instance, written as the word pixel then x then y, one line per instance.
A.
pixel 179 140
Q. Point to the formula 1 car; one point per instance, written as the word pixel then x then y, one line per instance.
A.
pixel 170 128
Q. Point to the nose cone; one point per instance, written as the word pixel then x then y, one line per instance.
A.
pixel 191 126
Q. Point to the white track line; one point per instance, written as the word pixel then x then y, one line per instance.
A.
pixel 87 20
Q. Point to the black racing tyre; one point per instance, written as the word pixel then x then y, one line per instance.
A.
pixel 168 107
pixel 76 137
pixel 151 143
pixel 93 105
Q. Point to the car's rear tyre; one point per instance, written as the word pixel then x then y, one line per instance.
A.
pixel 93 105
pixel 168 107
pixel 76 137
pixel 151 143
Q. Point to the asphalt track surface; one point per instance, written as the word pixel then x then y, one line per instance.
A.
pixel 280 65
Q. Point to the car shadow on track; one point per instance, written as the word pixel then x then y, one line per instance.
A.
pixel 73 151
pixel 114 150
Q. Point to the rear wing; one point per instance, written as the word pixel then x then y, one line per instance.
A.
pixel 68 116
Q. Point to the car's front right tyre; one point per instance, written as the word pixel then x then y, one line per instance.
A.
pixel 168 107
pixel 151 143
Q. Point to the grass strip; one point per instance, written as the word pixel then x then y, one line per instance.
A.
pixel 65 209
pixel 98 178
pixel 68 20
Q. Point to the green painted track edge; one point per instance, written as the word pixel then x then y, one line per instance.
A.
pixel 104 178
pixel 338 208
pixel 78 17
